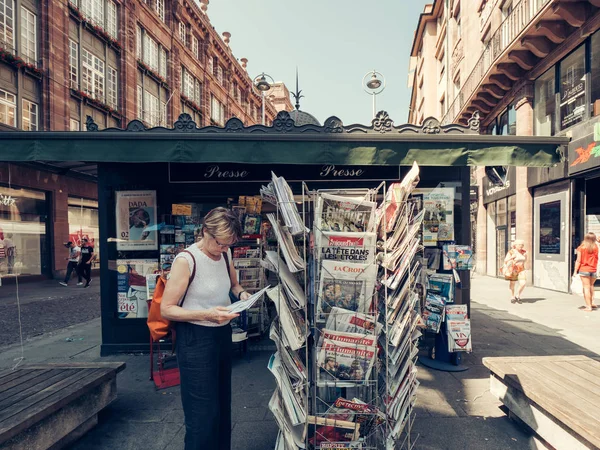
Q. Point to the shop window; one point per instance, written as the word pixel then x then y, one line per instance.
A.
pixel 8 108
pixel 83 223
pixel 7 23
pixel 30 116
pixel 550 221
pixel 23 243
pixel 595 73
pixel 502 128
pixel 572 88
pixel 28 36
pixel 544 104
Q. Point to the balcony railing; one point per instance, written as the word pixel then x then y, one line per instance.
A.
pixel 517 20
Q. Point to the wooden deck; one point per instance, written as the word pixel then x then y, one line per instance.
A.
pixel 51 405
pixel 558 397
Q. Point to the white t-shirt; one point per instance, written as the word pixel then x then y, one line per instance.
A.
pixel 73 254
pixel 210 287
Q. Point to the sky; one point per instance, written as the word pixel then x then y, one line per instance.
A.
pixel 334 43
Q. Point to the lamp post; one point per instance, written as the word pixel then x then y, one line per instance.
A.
pixel 261 83
pixel 373 84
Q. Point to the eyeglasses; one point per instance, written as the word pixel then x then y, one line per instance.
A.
pixel 223 245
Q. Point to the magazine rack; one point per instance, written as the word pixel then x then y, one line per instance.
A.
pixel 352 382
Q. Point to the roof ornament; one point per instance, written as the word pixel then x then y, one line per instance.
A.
pixel 298 94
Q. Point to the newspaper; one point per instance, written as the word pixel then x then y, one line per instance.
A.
pixel 290 359
pixel 392 281
pixel 346 285
pixel 348 247
pixel 406 248
pixel 286 243
pixel 278 193
pixel 369 340
pixel 324 433
pixel 293 401
pixel 350 363
pixel 347 321
pixel 357 411
pixel 240 306
pixel 340 213
pixel 292 435
pixel 405 228
pixel 295 293
pixel 459 335
pixel 293 324
pixel 456 312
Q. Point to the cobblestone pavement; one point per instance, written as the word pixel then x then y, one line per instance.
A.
pixel 45 307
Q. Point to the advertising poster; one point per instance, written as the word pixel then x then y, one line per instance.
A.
pixel 136 220
pixel 132 290
pixel 438 223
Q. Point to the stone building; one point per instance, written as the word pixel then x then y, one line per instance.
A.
pixel 529 67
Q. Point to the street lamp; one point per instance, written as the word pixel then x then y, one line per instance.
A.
pixel 373 84
pixel 261 83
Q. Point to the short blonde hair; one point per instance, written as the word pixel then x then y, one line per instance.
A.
pixel 222 223
pixel 518 242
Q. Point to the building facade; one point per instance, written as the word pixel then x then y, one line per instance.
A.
pixel 113 60
pixel 529 67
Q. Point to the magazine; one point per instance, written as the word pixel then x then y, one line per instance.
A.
pixel 132 291
pixel 435 303
pixel 322 431
pixel 252 224
pixel 396 197
pixel 441 284
pixel 433 257
pixel 347 321
pixel 459 257
pixel 346 285
pixel 348 247
pixel 344 362
pixel 459 335
pixel 456 312
pixel 433 321
pixel 356 411
pixel 346 214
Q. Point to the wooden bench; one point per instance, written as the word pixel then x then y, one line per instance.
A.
pixel 558 397
pixel 52 405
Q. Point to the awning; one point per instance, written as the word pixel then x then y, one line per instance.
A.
pixel 284 143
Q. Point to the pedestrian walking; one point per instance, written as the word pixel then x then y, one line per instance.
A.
pixel 514 270
pixel 73 262
pixel 203 331
pixel 84 268
pixel 585 267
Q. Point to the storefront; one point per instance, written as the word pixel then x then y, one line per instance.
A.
pixel 83 223
pixel 24 232
pixel 501 221
pixel 162 173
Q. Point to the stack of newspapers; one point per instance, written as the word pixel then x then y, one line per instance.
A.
pixel 289 330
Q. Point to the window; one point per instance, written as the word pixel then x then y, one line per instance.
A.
pixel 217 111
pixel 160 9
pixel 443 106
pixel 30 116
pixel 8 108
pixel 572 88
pixel 92 75
pixel 544 104
pixel 187 83
pixel 139 43
pixel 28 36
pixel 195 47
pixel 458 26
pixel 220 74
pixel 73 65
pixel 163 63
pixel 74 125
pixel 7 23
pixel 595 75
pixel 152 111
pixel 182 32
pixel 94 10
pixel 112 87
pixel 198 93
pixel 456 86
pixel 111 19
pixel 550 224
pixel 211 65
pixel 163 114
pixel 150 52
pixel 140 104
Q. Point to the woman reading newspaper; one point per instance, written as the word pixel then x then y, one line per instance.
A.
pixel 203 330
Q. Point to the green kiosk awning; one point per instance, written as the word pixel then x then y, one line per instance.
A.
pixel 381 143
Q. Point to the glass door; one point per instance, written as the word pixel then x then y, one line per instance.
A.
pixel 501 248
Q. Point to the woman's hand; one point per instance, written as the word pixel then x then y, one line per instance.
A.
pixel 244 295
pixel 219 315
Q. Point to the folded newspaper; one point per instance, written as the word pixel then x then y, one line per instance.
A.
pixel 397 194
pixel 357 411
pixel 323 432
pixel 278 192
pixel 293 323
pixel 294 291
pixel 243 305
pixel 290 252
pixel 346 285
pixel 347 321
pixel 293 401
pixel 351 363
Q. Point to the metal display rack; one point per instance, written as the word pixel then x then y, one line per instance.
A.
pixel 366 404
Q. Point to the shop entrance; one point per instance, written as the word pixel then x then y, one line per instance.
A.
pixel 501 247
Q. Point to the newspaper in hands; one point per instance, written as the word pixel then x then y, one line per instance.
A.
pixel 240 306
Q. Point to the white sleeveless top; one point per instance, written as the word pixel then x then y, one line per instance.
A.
pixel 210 286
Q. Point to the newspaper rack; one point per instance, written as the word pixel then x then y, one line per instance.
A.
pixel 346 351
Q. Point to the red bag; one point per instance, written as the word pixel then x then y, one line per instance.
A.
pixel 159 326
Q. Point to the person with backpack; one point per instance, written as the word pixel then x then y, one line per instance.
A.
pixel 195 299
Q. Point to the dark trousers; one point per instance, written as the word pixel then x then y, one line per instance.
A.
pixel 72 266
pixel 85 270
pixel 204 358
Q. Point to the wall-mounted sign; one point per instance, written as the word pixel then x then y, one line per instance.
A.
pixel 261 173
pixel 492 192
pixel 584 154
